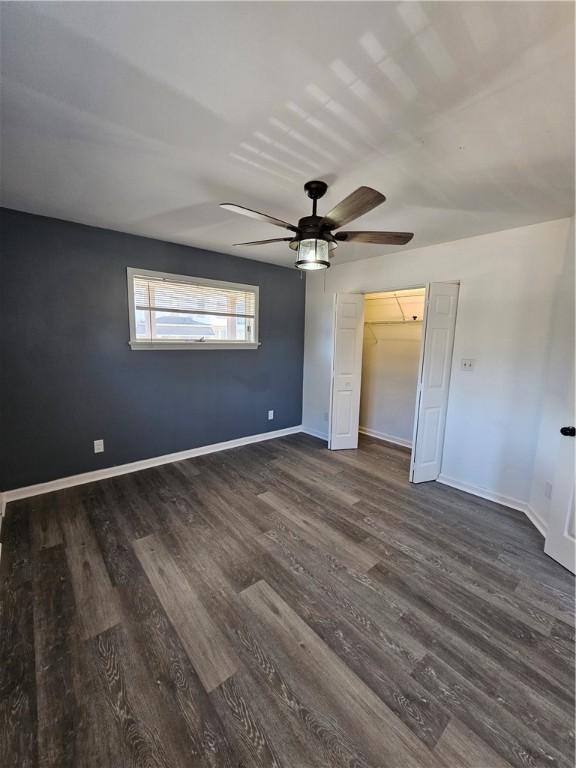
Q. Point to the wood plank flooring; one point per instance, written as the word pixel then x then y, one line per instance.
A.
pixel 281 605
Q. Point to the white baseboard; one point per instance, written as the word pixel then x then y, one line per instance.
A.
pixel 122 469
pixel 136 466
pixel 315 433
pixel 387 438
pixel 538 523
pixel 364 431
pixel 2 508
pixel 506 501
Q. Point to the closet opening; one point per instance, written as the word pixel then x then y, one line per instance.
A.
pixel 391 351
pixel 391 364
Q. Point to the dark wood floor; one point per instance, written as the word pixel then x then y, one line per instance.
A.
pixel 281 605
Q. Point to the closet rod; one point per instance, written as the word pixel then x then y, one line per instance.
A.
pixel 394 298
pixel 391 322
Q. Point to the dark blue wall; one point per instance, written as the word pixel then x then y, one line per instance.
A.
pixel 68 376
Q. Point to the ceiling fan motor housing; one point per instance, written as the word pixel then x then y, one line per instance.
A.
pixel 313 228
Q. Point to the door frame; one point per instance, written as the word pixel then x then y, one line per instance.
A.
pixel 404 287
pixel 560 541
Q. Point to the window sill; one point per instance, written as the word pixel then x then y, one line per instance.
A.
pixel 191 345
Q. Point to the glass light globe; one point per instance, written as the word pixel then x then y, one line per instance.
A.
pixel 313 254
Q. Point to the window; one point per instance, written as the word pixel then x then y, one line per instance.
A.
pixel 181 312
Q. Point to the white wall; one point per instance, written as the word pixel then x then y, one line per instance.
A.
pixel 509 282
pixel 389 377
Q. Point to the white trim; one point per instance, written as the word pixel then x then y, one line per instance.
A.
pixel 385 437
pixel 315 433
pixel 536 520
pixel 139 344
pixel 2 510
pixel 192 344
pixel 506 501
pixel 136 466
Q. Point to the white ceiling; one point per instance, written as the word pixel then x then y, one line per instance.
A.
pixel 141 117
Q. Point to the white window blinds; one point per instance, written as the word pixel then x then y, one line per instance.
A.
pixel 177 311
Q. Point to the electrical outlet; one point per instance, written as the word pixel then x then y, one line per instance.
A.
pixel 466 364
pixel 270 415
pixel 325 415
pixel 548 490
pixel 98 446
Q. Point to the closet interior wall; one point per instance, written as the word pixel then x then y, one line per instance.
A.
pixel 391 353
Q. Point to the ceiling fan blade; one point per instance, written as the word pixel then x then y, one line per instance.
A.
pixel 264 242
pixel 382 238
pixel 257 215
pixel 358 203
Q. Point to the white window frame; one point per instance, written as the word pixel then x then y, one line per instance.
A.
pixel 137 344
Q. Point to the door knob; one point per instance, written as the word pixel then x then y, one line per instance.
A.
pixel 568 431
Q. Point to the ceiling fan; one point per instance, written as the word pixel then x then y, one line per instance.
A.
pixel 313 237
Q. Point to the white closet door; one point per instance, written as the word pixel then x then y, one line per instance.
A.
pixel 561 534
pixel 346 371
pixel 434 381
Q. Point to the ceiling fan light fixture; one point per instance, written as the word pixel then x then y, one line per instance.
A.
pixel 313 254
